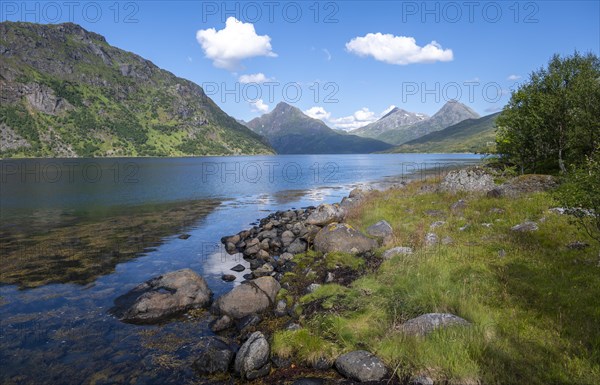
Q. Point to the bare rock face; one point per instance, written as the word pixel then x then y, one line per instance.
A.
pixel 426 323
pixel 252 360
pixel 43 99
pixel 249 298
pixel 343 238
pixel 361 366
pixel 326 214
pixel 10 140
pixel 162 297
pixel 472 179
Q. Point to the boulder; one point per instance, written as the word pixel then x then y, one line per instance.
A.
pixel 214 355
pixel 297 247
pixel 264 270
pixel 250 297
pixel 389 254
pixel 252 360
pixel 344 238
pixel 426 323
pixel 287 237
pixel 381 229
pixel 326 214
pixel 473 179
pixel 361 366
pixel 162 297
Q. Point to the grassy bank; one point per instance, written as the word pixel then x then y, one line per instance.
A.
pixel 534 303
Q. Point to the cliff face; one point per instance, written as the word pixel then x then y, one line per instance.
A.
pixel 67 92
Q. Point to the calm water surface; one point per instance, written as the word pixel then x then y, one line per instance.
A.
pixel 76 234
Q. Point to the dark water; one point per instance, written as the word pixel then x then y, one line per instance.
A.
pixel 75 234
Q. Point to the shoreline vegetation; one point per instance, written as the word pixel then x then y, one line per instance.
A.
pixel 467 278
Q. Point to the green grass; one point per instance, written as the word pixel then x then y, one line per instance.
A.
pixel 533 303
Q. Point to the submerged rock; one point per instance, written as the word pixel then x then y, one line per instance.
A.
pixel 162 297
pixel 361 366
pixel 215 355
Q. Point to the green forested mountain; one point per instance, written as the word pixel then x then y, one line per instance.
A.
pixel 67 92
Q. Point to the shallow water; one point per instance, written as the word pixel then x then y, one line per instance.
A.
pixel 76 234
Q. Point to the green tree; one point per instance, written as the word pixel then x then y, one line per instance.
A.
pixel 579 194
pixel 554 118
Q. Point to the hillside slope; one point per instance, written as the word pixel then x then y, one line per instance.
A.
pixel 66 92
pixel 471 135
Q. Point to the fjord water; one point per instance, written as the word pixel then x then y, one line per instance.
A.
pixel 77 233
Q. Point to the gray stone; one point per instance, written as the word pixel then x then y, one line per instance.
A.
pixel 472 179
pixel 389 254
pixel 343 238
pixel 431 239
pixel 437 224
pixel 252 360
pixel 361 366
pixel 420 380
pixel 250 297
pixel 287 237
pixel 426 323
pixel 297 247
pixel 312 287
pixel 326 214
pixel 238 268
pixel 264 270
pixel 381 229
pixel 525 227
pixel 162 297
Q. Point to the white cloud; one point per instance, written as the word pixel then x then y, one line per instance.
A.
pixel 327 54
pixel 514 77
pixel 258 78
pixel 259 106
pixel 399 50
pixel 236 42
pixel 358 119
pixel 318 113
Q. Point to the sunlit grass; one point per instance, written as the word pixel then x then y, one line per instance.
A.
pixel 533 303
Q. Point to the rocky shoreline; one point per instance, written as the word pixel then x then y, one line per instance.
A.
pixel 290 254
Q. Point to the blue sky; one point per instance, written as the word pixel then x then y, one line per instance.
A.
pixel 361 56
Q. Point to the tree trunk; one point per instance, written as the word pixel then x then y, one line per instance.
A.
pixel 561 162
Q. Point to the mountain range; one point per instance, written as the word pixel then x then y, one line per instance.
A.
pixel 471 135
pixel 66 92
pixel 290 131
pixel 400 126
